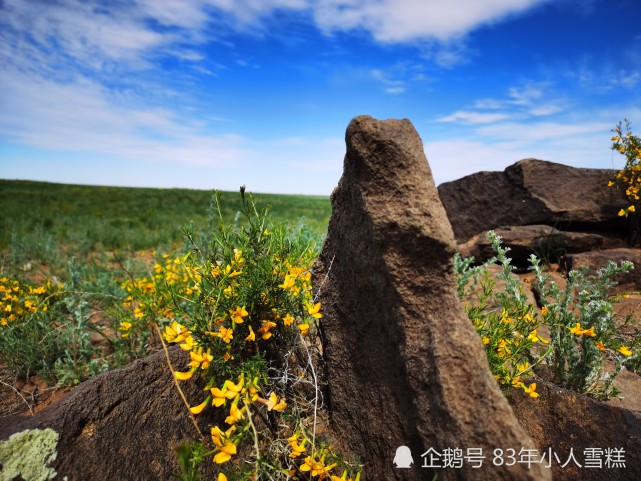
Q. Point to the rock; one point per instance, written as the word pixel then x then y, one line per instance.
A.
pixel 563 421
pixel 405 368
pixel 533 192
pixel 547 243
pixel 121 425
pixel 599 259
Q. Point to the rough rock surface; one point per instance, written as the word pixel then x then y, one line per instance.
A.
pixel 404 364
pixel 563 420
pixel 546 242
pixel 122 425
pixel 599 259
pixel 530 192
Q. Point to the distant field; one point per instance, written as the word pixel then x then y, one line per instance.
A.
pixel 40 220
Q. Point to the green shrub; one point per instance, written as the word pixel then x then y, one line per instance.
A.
pixel 579 318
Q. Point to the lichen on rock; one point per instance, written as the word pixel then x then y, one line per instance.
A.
pixel 27 454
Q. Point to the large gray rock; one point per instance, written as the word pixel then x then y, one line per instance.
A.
pixel 404 365
pixel 121 425
pixel 533 192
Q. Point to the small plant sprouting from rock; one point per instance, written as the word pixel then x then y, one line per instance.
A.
pixel 241 306
pixel 580 321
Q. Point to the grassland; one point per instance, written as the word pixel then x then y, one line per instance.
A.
pixel 48 223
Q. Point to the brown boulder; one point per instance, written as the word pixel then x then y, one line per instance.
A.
pixel 531 192
pixel 404 365
pixel 547 243
pixel 599 259
pixel 121 425
pixel 561 422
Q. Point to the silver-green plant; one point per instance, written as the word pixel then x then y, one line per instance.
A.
pixel 585 351
pixel 583 332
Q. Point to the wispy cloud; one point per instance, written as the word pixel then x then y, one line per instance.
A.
pixel 528 100
pixel 473 117
pixel 390 85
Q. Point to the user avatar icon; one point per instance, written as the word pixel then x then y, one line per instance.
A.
pixel 403 458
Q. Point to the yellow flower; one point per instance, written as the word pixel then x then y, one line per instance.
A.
pixel 220 396
pixel 232 389
pixel 225 334
pixel 303 328
pixel 200 359
pixel 222 477
pixel 198 409
pixel 288 283
pixel 531 390
pixel 314 310
pixel 251 336
pixel 486 340
pixel 576 329
pixel 297 449
pixel 183 376
pixel 544 311
pixel 273 403
pixel 625 350
pixel 610 184
pixel 631 208
pixel 188 345
pixel 175 333
pixel 267 325
pixel 238 314
pixel 622 212
pixel 225 454
pixel 288 320
pixel 235 414
pixel 124 327
pixel 600 345
pixel 220 438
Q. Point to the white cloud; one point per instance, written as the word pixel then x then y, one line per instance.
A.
pixel 473 117
pixel 82 117
pixel 409 20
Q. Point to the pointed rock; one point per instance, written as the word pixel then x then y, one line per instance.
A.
pixel 404 365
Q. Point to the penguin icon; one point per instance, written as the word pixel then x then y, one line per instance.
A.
pixel 403 458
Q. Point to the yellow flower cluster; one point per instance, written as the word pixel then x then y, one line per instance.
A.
pixel 629 178
pixel 506 336
pixel 228 329
pixel 315 464
pixel 579 331
pixel 19 300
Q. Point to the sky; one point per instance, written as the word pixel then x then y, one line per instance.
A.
pixel 214 94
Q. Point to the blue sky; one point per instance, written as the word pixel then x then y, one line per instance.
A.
pixel 217 93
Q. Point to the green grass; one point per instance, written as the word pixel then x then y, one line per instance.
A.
pixel 41 220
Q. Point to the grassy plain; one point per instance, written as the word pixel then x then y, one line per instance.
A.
pixel 47 223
